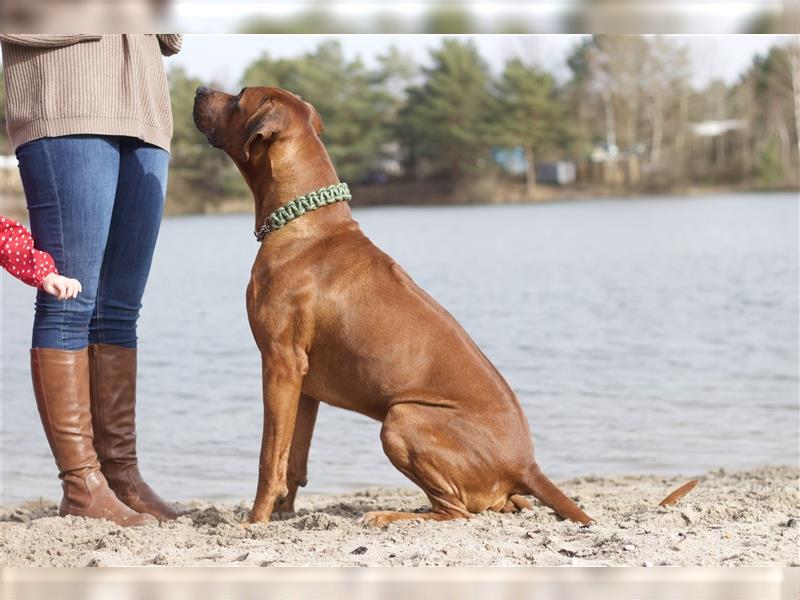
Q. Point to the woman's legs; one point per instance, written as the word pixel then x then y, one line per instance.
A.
pixel 135 221
pixel 69 186
pixel 138 207
pixel 70 183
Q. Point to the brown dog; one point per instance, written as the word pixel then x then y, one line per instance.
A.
pixel 338 321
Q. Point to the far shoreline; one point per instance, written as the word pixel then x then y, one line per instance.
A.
pixel 243 206
pixel 435 194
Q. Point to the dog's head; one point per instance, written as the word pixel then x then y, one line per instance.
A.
pixel 253 120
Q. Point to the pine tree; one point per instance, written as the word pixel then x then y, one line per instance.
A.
pixel 528 113
pixel 446 118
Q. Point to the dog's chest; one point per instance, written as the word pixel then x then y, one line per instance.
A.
pixel 342 386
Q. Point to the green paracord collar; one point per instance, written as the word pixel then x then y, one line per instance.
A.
pixel 301 205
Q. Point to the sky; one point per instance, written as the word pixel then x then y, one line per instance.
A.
pixel 544 16
pixel 222 58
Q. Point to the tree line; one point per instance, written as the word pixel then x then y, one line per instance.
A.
pixel 625 98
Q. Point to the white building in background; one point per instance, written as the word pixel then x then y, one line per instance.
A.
pixel 716 128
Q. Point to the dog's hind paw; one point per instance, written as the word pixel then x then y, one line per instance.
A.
pixel 382 518
pixel 378 518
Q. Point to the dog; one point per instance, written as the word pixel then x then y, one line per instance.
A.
pixel 338 321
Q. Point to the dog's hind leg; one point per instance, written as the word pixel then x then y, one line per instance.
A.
pixel 516 503
pixel 381 518
pixel 415 449
pixel 297 469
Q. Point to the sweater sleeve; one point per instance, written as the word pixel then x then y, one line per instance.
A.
pixel 47 40
pixel 170 43
pixel 19 257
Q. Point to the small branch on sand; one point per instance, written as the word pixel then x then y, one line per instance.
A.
pixel 675 496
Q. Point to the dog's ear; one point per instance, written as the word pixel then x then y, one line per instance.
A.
pixel 269 119
pixel 316 121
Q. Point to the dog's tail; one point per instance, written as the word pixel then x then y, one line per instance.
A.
pixel 547 492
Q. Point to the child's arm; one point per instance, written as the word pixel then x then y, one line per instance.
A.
pixel 20 258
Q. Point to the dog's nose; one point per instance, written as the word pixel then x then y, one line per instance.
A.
pixel 202 91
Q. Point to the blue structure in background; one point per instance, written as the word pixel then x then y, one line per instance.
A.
pixel 512 161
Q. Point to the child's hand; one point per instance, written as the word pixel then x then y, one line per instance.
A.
pixel 61 287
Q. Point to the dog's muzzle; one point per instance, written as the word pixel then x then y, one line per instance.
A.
pixel 201 117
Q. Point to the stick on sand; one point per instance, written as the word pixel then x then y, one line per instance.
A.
pixel 675 496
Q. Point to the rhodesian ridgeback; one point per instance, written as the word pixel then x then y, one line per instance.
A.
pixel 338 321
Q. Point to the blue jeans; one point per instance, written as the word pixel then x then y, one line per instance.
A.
pixel 95 204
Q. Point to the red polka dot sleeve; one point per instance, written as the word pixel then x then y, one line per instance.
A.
pixel 19 257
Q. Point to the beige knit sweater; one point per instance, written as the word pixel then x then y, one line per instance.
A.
pixel 96 84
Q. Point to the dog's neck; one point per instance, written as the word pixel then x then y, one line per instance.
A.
pixel 287 169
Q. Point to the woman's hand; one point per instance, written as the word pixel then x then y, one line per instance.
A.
pixel 61 287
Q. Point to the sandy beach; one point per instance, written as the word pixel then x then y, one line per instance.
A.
pixel 743 518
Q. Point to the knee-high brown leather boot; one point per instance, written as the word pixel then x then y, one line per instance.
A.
pixel 113 390
pixel 61 387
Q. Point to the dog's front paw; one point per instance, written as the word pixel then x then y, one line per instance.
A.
pixel 259 516
pixel 284 506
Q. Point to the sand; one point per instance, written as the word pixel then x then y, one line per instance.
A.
pixel 730 519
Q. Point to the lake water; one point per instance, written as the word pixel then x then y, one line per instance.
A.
pixel 642 336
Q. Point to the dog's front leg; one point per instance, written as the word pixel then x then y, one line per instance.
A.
pixel 282 373
pixel 297 471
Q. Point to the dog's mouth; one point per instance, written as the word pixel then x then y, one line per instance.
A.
pixel 200 119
